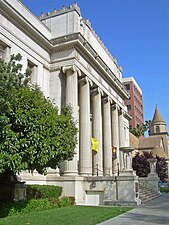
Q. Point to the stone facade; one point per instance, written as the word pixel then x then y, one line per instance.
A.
pixel 72 66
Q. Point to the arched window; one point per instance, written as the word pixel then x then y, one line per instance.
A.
pixel 157 129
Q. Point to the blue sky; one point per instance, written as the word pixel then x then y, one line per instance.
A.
pixel 136 32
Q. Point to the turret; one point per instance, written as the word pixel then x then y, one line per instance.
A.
pixel 157 125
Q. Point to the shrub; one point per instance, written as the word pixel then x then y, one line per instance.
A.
pixel 66 201
pixel 15 208
pixel 41 197
pixel 43 191
pixel 164 189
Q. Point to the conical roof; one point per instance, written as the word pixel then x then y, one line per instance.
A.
pixel 157 117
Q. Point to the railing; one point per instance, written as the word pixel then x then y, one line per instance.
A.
pixel 147 185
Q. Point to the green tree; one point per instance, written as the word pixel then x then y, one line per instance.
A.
pixel 32 134
pixel 140 129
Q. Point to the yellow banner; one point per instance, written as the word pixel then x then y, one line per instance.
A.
pixel 95 144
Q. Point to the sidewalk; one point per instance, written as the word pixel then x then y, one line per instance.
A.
pixel 151 213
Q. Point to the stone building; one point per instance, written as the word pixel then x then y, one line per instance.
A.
pixel 72 66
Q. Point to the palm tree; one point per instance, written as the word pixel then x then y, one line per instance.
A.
pixel 139 130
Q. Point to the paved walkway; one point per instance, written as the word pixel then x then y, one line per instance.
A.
pixel 151 213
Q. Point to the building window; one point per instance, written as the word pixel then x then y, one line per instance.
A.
pixel 4 51
pixel 125 133
pixel 128 107
pixel 33 75
pixel 1 52
pixel 127 86
pixel 157 129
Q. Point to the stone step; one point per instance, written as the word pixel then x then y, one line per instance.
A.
pixel 149 196
pixel 144 200
pixel 146 194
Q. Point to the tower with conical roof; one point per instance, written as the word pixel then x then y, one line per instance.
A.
pixel 157 125
pixel 158 129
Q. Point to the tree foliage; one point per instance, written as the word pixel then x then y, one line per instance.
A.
pixel 140 129
pixel 32 134
pixel 142 166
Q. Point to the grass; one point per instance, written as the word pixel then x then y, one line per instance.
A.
pixel 72 215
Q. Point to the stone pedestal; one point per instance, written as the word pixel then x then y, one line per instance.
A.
pixel 153 178
pixel 52 174
pixel 20 191
pixel 127 158
pixel 127 189
pixel 12 192
pixel 152 163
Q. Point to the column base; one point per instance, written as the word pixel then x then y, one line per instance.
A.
pixel 129 172
pixel 70 173
pixel 85 174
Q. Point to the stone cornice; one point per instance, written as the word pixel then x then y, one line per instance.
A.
pixel 75 40
pixel 25 26
pixel 55 12
pixel 88 24
pixel 80 42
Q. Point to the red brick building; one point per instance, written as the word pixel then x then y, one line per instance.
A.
pixel 134 103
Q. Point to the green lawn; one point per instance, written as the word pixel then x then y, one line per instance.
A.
pixel 72 215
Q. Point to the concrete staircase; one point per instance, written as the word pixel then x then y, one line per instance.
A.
pixel 146 193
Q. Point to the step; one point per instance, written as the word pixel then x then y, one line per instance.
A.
pixel 149 199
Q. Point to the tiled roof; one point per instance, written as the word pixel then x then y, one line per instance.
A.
pixel 134 141
pixel 157 151
pixel 149 143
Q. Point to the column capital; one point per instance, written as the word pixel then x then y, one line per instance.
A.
pixel 107 99
pixel 124 113
pixel 121 111
pixel 97 90
pixel 85 80
pixel 71 68
pixel 115 106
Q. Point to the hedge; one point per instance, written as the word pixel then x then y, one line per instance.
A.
pixel 43 191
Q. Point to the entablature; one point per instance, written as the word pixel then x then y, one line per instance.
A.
pixel 86 50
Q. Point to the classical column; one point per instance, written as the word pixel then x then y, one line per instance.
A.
pixel 107 145
pixel 7 54
pixel 115 137
pixel 97 131
pixel 121 136
pixel 85 154
pixel 71 167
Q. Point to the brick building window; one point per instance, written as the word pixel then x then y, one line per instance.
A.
pixel 128 107
pixel 127 86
